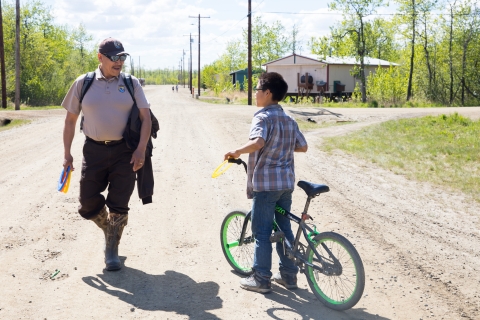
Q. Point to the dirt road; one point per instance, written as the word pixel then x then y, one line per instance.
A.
pixel 420 244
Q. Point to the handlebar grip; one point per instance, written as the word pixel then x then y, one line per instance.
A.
pixel 238 161
pixel 233 160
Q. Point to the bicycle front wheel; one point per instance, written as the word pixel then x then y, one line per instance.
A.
pixel 239 255
pixel 340 286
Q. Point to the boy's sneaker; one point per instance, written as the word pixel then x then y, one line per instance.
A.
pixel 286 280
pixel 255 283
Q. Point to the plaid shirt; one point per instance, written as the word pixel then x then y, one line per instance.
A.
pixel 272 167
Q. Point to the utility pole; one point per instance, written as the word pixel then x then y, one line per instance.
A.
pixel 2 62
pixel 139 69
pixel 249 54
pixel 183 68
pixel 132 70
pixel 17 56
pixel 190 63
pixel 190 80
pixel 199 84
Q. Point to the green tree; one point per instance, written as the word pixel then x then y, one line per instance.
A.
pixel 354 14
pixel 51 58
pixel 269 42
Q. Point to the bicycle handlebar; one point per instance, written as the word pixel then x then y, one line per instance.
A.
pixel 239 162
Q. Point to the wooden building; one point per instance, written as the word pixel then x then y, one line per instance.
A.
pixel 332 76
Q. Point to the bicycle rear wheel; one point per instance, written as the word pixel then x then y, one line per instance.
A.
pixel 239 256
pixel 341 284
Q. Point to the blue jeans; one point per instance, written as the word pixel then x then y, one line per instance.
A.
pixel 263 213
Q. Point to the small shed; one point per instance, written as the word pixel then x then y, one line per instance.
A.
pixel 238 77
pixel 331 76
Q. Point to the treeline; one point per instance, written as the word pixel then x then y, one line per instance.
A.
pixel 167 76
pixel 435 43
pixel 52 56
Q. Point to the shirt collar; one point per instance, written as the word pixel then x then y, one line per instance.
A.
pixel 272 106
pixel 100 75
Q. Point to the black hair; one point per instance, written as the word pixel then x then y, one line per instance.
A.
pixel 275 83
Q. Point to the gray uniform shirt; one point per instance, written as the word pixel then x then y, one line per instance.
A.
pixel 106 105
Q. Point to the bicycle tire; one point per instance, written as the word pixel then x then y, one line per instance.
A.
pixel 337 292
pixel 240 258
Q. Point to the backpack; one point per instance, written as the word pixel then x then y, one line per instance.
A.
pixel 127 79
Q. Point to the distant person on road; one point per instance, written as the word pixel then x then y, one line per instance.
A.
pixel 274 137
pixel 176 87
pixel 173 88
pixel 107 160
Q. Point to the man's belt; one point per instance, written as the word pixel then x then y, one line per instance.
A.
pixel 106 142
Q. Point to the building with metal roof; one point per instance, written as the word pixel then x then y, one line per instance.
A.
pixel 328 76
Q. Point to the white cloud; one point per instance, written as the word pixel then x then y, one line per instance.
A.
pixel 155 29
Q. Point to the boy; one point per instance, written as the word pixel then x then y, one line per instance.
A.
pixel 274 137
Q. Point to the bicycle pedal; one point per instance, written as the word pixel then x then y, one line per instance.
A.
pixel 277 236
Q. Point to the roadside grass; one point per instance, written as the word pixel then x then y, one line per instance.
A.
pixel 14 123
pixel 241 98
pixel 309 126
pixel 235 97
pixel 444 150
pixel 357 104
pixel 11 107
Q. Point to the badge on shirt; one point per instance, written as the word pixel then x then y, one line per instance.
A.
pixel 121 89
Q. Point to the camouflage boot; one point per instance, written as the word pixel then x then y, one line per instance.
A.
pixel 101 221
pixel 114 233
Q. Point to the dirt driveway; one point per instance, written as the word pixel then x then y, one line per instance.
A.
pixel 420 244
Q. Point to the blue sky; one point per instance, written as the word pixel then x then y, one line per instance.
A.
pixel 157 30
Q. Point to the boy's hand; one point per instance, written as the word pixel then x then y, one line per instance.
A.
pixel 232 154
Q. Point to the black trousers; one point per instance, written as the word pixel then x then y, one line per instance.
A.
pixel 105 166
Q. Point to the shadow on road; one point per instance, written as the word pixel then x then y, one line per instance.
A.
pixel 302 304
pixel 171 292
pixel 320 112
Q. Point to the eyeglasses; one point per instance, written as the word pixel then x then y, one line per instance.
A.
pixel 259 89
pixel 123 57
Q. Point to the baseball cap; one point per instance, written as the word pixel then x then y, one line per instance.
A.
pixel 111 47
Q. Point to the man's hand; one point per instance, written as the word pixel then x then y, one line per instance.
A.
pixel 138 159
pixel 68 161
pixel 68 134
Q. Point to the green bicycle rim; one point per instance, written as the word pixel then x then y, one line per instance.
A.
pixel 227 246
pixel 317 288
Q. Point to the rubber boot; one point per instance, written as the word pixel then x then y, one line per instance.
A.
pixel 101 221
pixel 114 233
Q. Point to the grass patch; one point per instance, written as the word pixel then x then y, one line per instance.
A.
pixel 235 97
pixel 24 107
pixel 309 126
pixel 442 149
pixel 358 104
pixel 14 123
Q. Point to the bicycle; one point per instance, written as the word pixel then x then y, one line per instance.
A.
pixel 332 265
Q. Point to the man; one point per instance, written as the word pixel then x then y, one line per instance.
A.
pixel 107 161
pixel 274 137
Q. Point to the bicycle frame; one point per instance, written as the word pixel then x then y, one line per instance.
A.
pixel 292 252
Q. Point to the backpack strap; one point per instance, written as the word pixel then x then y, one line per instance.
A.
pixel 127 79
pixel 87 83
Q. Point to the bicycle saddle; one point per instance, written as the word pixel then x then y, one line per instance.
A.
pixel 312 189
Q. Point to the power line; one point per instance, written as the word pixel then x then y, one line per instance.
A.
pixel 372 14
pixel 235 23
